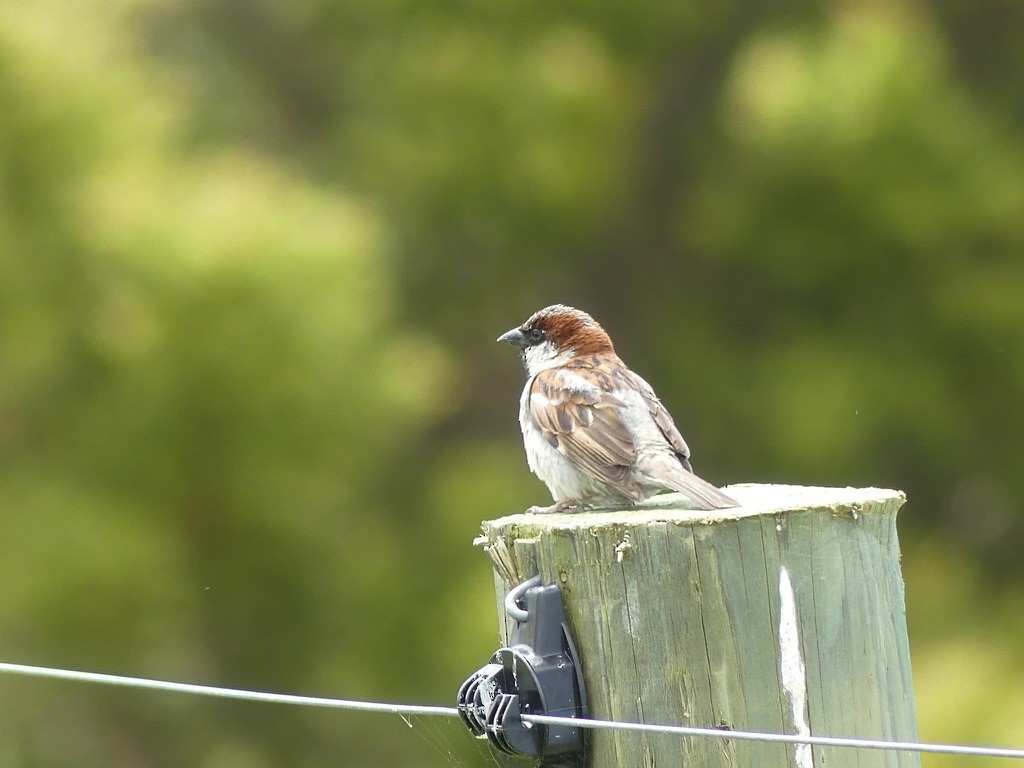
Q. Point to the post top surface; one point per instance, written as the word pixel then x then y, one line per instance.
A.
pixel 754 498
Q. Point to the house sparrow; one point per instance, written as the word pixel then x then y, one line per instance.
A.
pixel 594 431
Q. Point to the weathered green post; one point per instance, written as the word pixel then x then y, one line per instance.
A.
pixel 783 615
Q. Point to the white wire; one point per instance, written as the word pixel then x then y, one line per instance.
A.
pixel 224 693
pixel 784 738
pixel 415 709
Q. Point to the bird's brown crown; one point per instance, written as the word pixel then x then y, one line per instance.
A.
pixel 570 328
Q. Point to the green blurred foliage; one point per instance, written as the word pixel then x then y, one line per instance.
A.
pixel 253 257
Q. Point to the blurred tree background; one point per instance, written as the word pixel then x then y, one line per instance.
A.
pixel 254 255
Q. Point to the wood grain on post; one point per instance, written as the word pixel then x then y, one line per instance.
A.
pixel 784 615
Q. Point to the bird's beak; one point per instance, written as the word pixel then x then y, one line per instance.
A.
pixel 514 337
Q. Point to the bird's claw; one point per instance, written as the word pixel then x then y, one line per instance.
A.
pixel 559 506
pixel 565 505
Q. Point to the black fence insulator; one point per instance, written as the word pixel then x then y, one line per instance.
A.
pixel 538 673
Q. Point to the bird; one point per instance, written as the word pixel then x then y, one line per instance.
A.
pixel 594 431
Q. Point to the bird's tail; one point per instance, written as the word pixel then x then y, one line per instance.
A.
pixel 703 492
pixel 671 475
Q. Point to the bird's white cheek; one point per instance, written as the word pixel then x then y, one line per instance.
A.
pixel 543 356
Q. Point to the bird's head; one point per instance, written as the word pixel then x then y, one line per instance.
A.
pixel 555 335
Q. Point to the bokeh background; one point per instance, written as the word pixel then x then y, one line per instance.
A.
pixel 254 256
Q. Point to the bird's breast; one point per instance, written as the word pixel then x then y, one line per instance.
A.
pixel 559 474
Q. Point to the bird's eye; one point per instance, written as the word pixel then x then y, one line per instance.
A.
pixel 536 334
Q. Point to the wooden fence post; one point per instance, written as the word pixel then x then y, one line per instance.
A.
pixel 783 615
